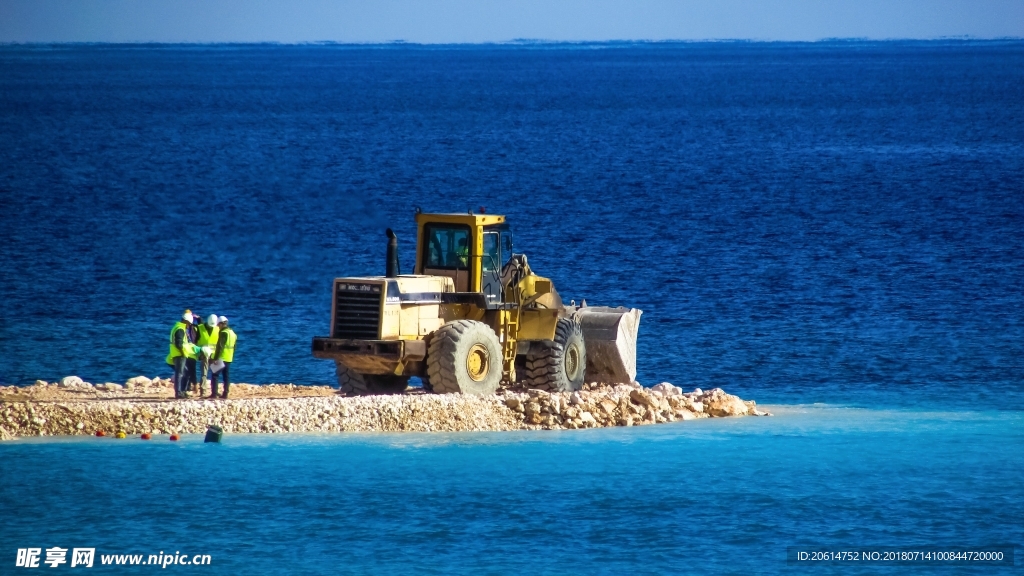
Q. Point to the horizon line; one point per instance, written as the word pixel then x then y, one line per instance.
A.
pixel 527 42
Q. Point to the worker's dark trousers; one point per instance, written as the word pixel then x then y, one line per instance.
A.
pixel 227 381
pixel 190 369
pixel 180 376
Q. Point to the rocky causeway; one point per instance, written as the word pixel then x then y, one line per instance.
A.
pixel 144 405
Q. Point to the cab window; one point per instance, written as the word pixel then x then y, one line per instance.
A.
pixel 447 246
pixel 492 252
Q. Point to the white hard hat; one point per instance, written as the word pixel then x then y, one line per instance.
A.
pixel 223 319
pixel 187 316
pixel 211 320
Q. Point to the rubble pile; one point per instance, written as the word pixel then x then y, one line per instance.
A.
pixel 624 405
pixel 145 405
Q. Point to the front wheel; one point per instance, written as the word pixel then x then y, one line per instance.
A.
pixel 558 365
pixel 464 356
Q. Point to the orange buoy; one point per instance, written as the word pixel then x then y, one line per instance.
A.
pixel 146 436
pixel 101 433
pixel 174 437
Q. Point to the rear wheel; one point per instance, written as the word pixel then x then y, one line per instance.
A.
pixel 387 384
pixel 558 365
pixel 356 384
pixel 521 377
pixel 464 356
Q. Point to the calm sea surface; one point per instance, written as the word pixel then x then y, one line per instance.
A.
pixel 834 228
pixel 709 496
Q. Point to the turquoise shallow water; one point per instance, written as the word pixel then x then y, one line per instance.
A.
pixel 714 495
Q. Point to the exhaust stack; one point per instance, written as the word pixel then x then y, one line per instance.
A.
pixel 393 269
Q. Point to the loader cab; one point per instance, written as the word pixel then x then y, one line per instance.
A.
pixel 468 248
pixel 496 250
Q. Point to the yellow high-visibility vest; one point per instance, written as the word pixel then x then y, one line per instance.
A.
pixel 208 336
pixel 186 345
pixel 228 353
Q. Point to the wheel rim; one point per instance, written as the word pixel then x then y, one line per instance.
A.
pixel 572 362
pixel 477 362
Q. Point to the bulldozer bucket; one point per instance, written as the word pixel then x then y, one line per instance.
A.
pixel 610 338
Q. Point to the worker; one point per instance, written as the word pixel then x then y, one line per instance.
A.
pixel 223 357
pixel 190 363
pixel 182 349
pixel 207 341
pixel 463 252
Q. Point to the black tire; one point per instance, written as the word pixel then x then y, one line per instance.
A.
pixel 351 383
pixel 386 384
pixel 355 384
pixel 521 369
pixel 558 365
pixel 425 378
pixel 464 356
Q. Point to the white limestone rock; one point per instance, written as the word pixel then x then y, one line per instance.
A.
pixel 667 389
pixel 71 382
pixel 721 404
pixel 138 382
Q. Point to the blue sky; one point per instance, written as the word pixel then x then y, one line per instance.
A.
pixel 459 21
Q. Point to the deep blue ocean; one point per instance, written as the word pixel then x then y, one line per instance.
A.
pixel 833 229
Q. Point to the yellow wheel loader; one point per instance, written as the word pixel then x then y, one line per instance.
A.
pixel 471 317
